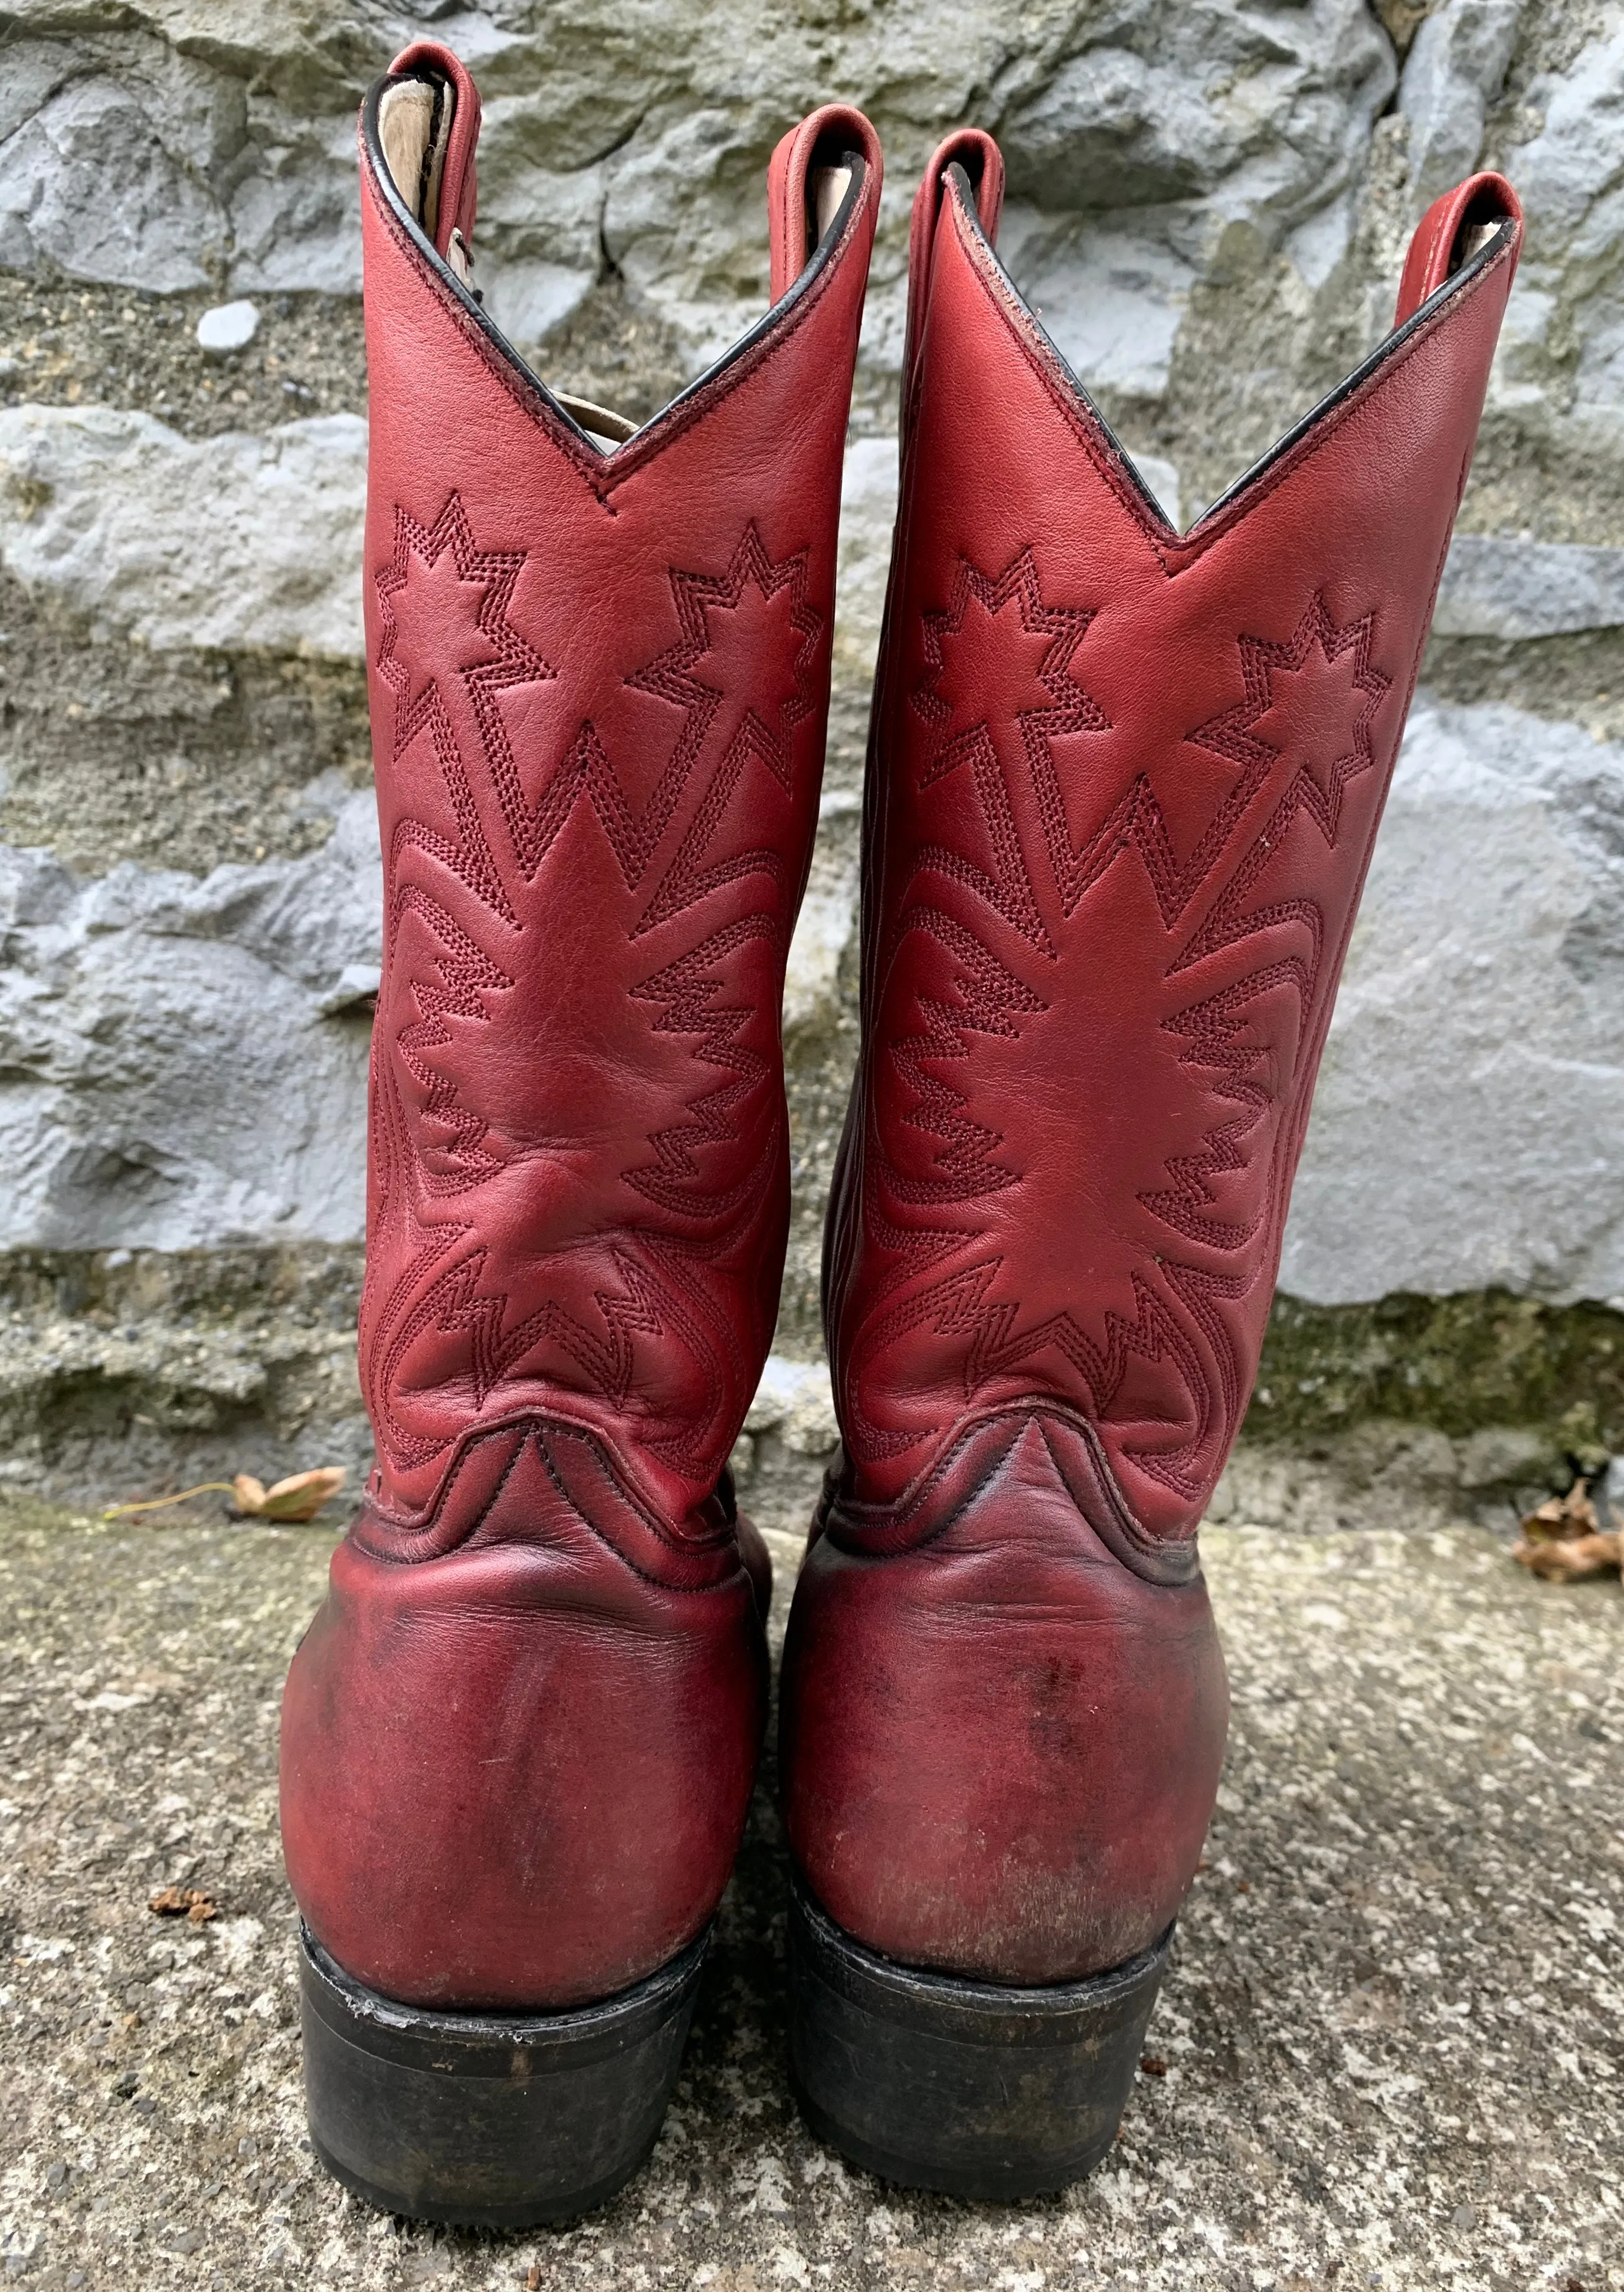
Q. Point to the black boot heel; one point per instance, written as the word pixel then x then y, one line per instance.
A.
pixel 493 2120
pixel 967 2088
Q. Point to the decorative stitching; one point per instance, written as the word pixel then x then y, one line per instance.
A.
pixel 671 677
pixel 1188 549
pixel 1236 1063
pixel 605 476
pixel 411 1539
pixel 713 1151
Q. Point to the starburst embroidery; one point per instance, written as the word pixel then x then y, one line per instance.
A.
pixel 747 706
pixel 1324 746
pixel 472 986
pixel 486 577
pixel 998 689
pixel 1001 689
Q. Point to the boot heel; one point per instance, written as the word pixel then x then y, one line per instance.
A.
pixel 964 2086
pixel 489 2119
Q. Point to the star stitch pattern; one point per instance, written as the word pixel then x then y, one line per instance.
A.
pixel 679 832
pixel 1015 1079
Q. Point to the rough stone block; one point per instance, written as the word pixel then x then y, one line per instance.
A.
pixel 185 1060
pixel 1468 1130
pixel 1454 71
pixel 1498 585
pixel 233 543
pixel 1208 207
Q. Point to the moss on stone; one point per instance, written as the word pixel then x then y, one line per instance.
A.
pixel 1456 1364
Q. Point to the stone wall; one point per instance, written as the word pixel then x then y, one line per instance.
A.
pixel 1208 202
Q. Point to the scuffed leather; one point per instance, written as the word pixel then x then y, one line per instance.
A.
pixel 518 1741
pixel 1002 1743
pixel 1123 787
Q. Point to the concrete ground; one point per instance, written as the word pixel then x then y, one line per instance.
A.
pixel 1390 2052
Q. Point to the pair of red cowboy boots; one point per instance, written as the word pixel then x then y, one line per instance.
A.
pixel 1122 788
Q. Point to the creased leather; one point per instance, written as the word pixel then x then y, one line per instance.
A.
pixel 518 1742
pixel 1000 1743
pixel 1123 787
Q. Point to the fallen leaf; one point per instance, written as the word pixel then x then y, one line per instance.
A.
pixel 183 1902
pixel 1562 1518
pixel 1563 1540
pixel 1565 1559
pixel 296 1499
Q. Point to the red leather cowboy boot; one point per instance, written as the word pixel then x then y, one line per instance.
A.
pixel 1123 785
pixel 519 1739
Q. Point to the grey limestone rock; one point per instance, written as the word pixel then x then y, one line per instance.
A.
pixel 86 184
pixel 143 150
pixel 825 928
pixel 1500 586
pixel 1454 71
pixel 184 1060
pixel 1469 1130
pixel 1180 143
pixel 232 543
pixel 1207 204
pixel 134 151
pixel 1559 376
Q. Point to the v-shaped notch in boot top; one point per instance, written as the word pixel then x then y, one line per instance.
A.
pixel 419 129
pixel 1466 233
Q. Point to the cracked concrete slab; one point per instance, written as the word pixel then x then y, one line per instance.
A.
pixel 1388 2053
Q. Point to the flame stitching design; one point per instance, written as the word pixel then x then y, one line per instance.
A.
pixel 448 1284
pixel 1208 910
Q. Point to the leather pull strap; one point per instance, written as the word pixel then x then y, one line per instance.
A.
pixel 1443 237
pixel 974 151
pixel 458 190
pixel 839 129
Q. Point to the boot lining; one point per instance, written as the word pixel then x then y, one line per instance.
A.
pixel 829 186
pixel 414 132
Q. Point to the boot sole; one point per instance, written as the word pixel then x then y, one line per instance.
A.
pixel 967 2087
pixel 488 2121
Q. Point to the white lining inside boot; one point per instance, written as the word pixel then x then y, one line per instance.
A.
pixel 1470 243
pixel 414 130
pixel 829 186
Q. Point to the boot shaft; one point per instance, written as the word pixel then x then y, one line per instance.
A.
pixel 599 674
pixel 1124 784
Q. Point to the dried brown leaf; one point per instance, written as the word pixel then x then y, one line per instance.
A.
pixel 157 1504
pixel 302 1496
pixel 1566 1559
pixel 1562 1518
pixel 1402 20
pixel 296 1499
pixel 183 1902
